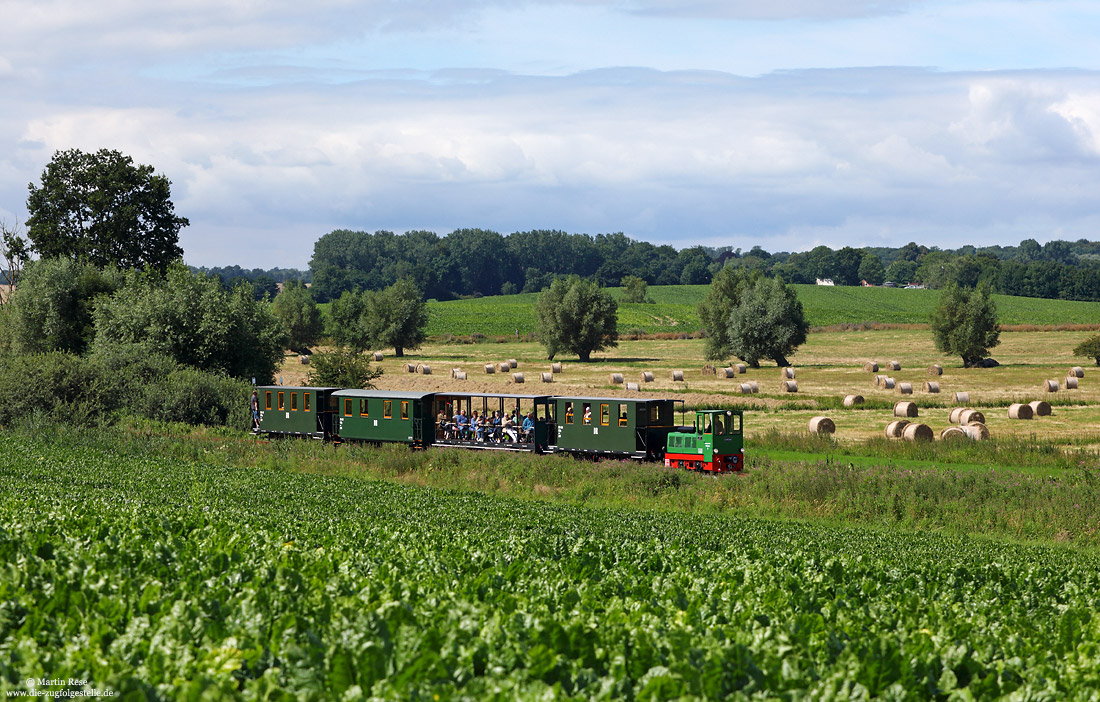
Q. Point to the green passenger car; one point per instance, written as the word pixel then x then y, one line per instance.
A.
pixel 614 425
pixel 295 411
pixel 379 415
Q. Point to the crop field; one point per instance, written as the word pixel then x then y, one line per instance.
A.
pixel 169 578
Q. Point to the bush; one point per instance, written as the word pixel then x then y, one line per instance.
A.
pixel 197 397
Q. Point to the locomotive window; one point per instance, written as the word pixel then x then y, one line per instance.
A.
pixel 347 407
pixel 718 429
pixel 568 412
pixel 267 399
pixel 294 401
pixel 306 405
pixel 404 410
pixel 622 415
pixel 735 424
pixel 363 407
pixel 605 414
pixel 282 404
pixel 387 409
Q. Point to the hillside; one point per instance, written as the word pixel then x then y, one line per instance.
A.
pixel 674 310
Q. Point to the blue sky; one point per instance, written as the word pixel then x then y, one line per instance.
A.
pixel 786 124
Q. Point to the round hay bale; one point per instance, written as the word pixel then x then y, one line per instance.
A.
pixel 895 428
pixel 304 359
pixel 1076 372
pixel 740 367
pixel 745 388
pixel 1071 381
pixel 976 431
pixel 455 370
pixel 905 388
pixel 935 369
pixel 1050 386
pixel 878 380
pixel 1018 411
pixel 888 384
pixel 632 386
pixel 918 432
pixel 953 417
pixel 893 365
pixel 678 376
pixel 513 362
pixel 728 372
pixel 616 378
pixel 754 385
pixel 962 397
pixel 378 355
pixel 905 409
pixel 853 400
pixel 952 432
pixel 555 368
pixel 708 369
pixel 822 425
pixel 786 373
pixel 410 367
pixel 930 386
pixel 490 369
pixel 547 377
pixel 967 416
pixel 425 369
pixel 789 386
pixel 870 366
pixel 460 375
pixel 1040 408
pixel 504 367
pixel 517 377
pixel 647 377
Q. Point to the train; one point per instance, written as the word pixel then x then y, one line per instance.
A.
pixel 640 429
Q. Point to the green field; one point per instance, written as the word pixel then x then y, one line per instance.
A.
pixel 674 310
pixel 161 577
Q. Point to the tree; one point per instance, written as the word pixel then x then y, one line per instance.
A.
pixel 575 315
pixel 14 251
pixel 965 323
pixel 767 323
pixel 342 368
pixel 870 269
pixel 344 325
pixel 723 296
pixel 191 318
pixel 634 289
pixel 901 271
pixel 1089 348
pixel 847 261
pixel 396 316
pixel 299 316
pixel 104 209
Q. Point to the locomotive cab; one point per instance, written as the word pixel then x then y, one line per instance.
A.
pixel 714 442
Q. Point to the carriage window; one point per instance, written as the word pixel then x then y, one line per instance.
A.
pixel 267 399
pixel 587 419
pixel 568 412
pixel 605 414
pixel 363 407
pixel 282 404
pixel 387 409
pixel 404 410
pixel 306 405
pixel 333 403
pixel 653 414
pixel 294 401
pixel 347 407
pixel 622 415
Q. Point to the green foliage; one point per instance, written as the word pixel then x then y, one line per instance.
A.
pixel 634 289
pixel 871 270
pixel 396 317
pixel 1089 348
pixel 298 316
pixel 342 367
pixel 767 323
pixel 576 315
pixel 965 323
pixel 902 272
pixel 104 209
pixel 192 319
pixel 53 308
pixel 723 296
pixel 15 253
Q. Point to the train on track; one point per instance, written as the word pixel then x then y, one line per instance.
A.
pixel 638 429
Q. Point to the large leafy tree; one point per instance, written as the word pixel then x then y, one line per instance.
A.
pixel 723 296
pixel 1089 348
pixel 574 314
pixel 395 317
pixel 105 209
pixel 299 316
pixel 871 270
pixel 965 323
pixel 767 323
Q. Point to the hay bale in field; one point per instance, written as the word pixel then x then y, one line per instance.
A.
pixel 555 368
pixel 1050 386
pixel 786 373
pixel 378 355
pixel 513 362
pixel 728 373
pixel 505 367
pixel 870 366
pixel 754 385
pixel 887 384
pixel 905 388
pixel 952 432
pixel 976 430
pixel 409 367
pixel 616 378
pixel 789 386
pixel 935 369
pixel 893 365
pixel 424 369
pixel 459 375
pixel 989 363
pixel 953 417
pixel 822 425
pixel 853 400
pixel 962 397
pixel 878 380
pixel 632 386
pixel 895 428
pixel 1076 372
pixel 968 416
pixel 930 386
pixel 490 369
pixel 304 359
pixel 517 378
pixel 1040 408
pixel 740 367
pixel 1071 383
pixel 745 388
pixel 647 377
pixel 905 409
pixel 918 432
pixel 708 369
pixel 1018 411
pixel 678 376
pixel 547 377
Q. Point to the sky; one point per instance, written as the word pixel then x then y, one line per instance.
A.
pixel 785 124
